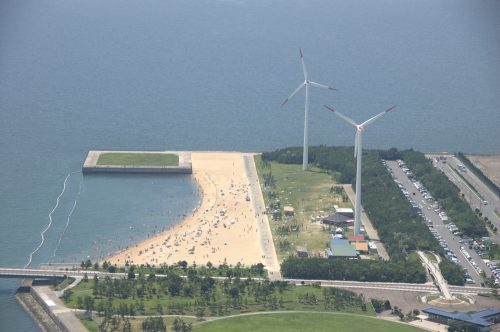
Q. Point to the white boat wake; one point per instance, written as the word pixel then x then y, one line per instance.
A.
pixel 42 234
pixel 68 219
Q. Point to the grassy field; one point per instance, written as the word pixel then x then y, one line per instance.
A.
pixel 302 322
pixel 90 325
pixel 63 284
pixel 310 194
pixel 185 305
pixel 138 159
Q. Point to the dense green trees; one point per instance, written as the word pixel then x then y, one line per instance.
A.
pixel 452 272
pixel 380 305
pixel 407 270
pixel 181 326
pixel 154 324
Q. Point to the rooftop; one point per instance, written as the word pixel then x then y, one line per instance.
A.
pixel 344 210
pixel 361 246
pixel 477 318
pixel 356 238
pixel 338 218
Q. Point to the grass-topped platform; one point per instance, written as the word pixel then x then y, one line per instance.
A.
pixel 138 162
pixel 138 159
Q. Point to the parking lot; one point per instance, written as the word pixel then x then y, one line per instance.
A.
pixel 443 229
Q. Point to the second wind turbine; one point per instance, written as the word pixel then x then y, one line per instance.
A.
pixel 307 83
pixel 358 154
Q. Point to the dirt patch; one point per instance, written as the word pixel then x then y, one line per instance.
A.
pixel 489 165
pixel 412 300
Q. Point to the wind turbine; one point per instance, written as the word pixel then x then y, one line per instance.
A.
pixel 358 153
pixel 307 83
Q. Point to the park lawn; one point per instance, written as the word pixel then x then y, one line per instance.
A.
pixel 303 322
pixel 309 193
pixel 138 159
pixel 62 285
pixel 171 304
pixel 90 325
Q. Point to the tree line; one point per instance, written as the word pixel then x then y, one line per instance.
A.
pixel 409 270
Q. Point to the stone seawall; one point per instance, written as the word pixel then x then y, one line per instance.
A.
pixel 136 169
pixel 47 309
pixel 35 309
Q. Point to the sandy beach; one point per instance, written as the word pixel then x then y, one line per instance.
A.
pixel 223 227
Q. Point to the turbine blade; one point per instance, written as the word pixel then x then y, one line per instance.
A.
pixel 346 118
pixel 367 122
pixel 322 86
pixel 303 64
pixel 293 94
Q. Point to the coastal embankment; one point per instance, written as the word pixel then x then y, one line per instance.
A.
pixel 46 308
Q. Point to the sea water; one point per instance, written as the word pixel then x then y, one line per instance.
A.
pixel 210 75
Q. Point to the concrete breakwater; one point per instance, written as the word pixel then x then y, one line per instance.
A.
pixel 91 164
pixel 46 308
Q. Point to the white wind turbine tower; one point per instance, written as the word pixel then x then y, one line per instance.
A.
pixel 358 153
pixel 307 83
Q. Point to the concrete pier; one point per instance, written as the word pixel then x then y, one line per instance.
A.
pixel 91 166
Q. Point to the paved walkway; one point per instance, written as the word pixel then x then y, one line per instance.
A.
pixel 367 224
pixel 56 306
pixel 73 284
pixel 266 237
pixel 433 268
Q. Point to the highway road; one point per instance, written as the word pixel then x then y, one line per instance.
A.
pixel 439 226
pixel 476 201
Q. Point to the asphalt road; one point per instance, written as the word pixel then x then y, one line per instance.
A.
pixel 476 201
pixel 439 226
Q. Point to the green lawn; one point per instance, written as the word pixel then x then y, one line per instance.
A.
pixel 309 193
pixel 90 325
pixel 138 159
pixel 289 297
pixel 302 322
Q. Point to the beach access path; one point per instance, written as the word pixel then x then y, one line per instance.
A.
pixel 266 236
pixel 225 227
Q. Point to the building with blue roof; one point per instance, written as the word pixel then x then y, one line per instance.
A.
pixel 483 319
pixel 341 248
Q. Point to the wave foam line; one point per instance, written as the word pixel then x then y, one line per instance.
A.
pixel 68 219
pixel 42 234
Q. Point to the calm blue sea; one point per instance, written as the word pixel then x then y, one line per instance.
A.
pixel 210 75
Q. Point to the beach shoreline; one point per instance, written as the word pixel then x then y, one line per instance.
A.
pixel 223 228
